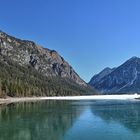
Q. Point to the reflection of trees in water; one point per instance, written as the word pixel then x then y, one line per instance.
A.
pixel 36 120
pixel 126 114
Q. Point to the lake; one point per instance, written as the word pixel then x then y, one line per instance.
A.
pixel 70 120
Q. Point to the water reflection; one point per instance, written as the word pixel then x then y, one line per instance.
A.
pixel 124 113
pixel 70 120
pixel 37 120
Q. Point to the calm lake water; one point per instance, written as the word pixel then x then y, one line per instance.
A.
pixel 70 120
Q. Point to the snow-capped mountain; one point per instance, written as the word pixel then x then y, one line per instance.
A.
pixel 123 79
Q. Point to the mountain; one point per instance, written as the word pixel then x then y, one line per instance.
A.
pixel 123 79
pixel 29 69
pixel 96 78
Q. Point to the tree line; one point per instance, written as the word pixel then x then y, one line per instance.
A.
pixel 22 81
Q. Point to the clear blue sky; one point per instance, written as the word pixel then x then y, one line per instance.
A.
pixel 89 34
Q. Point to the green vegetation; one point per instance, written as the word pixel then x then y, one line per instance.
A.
pixel 22 81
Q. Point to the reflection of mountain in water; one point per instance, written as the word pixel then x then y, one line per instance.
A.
pixel 37 121
pixel 126 114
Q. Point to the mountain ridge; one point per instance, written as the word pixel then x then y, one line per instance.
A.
pixel 124 79
pixel 100 75
pixel 27 69
pixel 58 66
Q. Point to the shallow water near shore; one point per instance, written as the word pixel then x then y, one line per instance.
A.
pixel 71 120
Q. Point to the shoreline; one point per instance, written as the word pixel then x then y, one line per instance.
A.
pixel 91 97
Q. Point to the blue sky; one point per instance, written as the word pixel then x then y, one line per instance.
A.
pixel 89 34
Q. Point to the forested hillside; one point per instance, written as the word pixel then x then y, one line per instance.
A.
pixel 27 69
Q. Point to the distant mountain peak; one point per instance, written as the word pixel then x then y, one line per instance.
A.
pixel 100 75
pixel 107 68
pixel 134 58
pixel 124 79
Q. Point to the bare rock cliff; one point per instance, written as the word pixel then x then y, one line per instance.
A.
pixel 45 61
